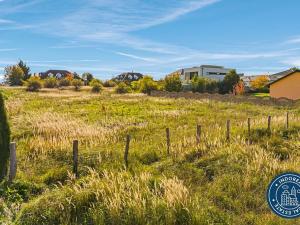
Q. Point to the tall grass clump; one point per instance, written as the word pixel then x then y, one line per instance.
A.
pixel 4 139
pixel 112 198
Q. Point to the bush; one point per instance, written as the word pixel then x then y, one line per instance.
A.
pixel 202 85
pixel 96 86
pixel 14 75
pixel 173 83
pixel 50 82
pixel 145 85
pixel 77 84
pixel 229 82
pixel 122 88
pixel 109 83
pixel 33 84
pixel 64 82
pixel 4 139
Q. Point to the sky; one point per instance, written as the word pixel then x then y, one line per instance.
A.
pixel 156 37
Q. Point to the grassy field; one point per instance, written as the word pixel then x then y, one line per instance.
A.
pixel 214 182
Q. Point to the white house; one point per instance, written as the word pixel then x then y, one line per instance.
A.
pixel 209 71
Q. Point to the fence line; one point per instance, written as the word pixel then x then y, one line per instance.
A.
pixel 13 157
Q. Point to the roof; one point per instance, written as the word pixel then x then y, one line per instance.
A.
pixel 57 71
pixel 283 75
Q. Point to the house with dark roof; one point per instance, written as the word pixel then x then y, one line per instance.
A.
pixel 59 74
pixel 128 77
pixel 287 86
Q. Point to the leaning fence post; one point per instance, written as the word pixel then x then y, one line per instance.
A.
pixel 287 120
pixel 168 140
pixel 126 150
pixel 198 135
pixel 269 123
pixel 228 130
pixel 75 158
pixel 13 162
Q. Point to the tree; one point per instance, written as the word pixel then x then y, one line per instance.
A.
pixel 76 76
pixel 88 77
pixel 25 69
pixel 173 83
pixel 239 88
pixel 229 82
pixel 14 75
pixel 146 85
pixel 259 83
pixel 4 139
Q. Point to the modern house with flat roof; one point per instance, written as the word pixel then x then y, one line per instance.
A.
pixel 208 71
pixel 287 86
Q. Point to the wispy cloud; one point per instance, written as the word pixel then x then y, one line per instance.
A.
pixel 8 49
pixel 136 57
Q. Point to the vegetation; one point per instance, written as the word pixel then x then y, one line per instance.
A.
pixel 25 69
pixel 77 84
pixel 204 85
pixel 88 77
pixel 4 140
pixel 14 75
pixel 109 83
pixel 145 85
pixel 65 82
pixel 33 84
pixel 96 86
pixel 173 83
pixel 50 82
pixel 214 182
pixel 259 84
pixel 229 82
pixel 122 88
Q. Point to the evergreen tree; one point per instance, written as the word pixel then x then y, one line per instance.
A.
pixel 4 139
pixel 25 69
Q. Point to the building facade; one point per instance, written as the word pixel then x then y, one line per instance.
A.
pixel 288 86
pixel 208 71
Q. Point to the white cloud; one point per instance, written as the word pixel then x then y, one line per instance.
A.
pixel 136 57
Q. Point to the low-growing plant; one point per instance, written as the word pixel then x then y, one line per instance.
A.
pixel 96 86
pixel 109 83
pixel 122 88
pixel 33 84
pixel 50 82
pixel 64 82
pixel 77 84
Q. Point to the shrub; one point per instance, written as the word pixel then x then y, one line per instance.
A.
pixel 64 82
pixel 96 86
pixel 122 88
pixel 146 85
pixel 50 82
pixel 109 83
pixel 173 83
pixel 230 80
pixel 77 84
pixel 4 139
pixel 202 85
pixel 33 84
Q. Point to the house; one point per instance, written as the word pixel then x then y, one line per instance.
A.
pixel 56 73
pixel 128 77
pixel 208 71
pixel 287 86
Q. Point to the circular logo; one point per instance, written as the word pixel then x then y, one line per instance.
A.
pixel 284 195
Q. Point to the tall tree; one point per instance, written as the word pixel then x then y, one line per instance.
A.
pixel 4 139
pixel 88 77
pixel 25 69
pixel 229 82
pixel 14 75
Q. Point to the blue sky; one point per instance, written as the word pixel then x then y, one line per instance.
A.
pixel 107 37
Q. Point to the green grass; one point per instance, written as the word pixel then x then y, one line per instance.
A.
pixel 261 94
pixel 215 182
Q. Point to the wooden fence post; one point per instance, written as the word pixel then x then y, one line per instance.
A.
pixel 198 135
pixel 13 162
pixel 228 130
pixel 249 131
pixel 287 120
pixel 168 140
pixel 269 123
pixel 126 150
pixel 75 158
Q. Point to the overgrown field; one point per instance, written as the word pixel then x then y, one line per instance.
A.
pixel 214 182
